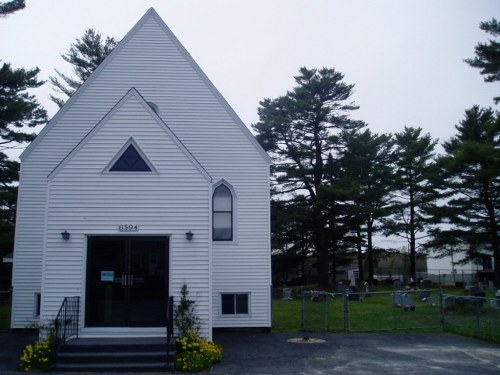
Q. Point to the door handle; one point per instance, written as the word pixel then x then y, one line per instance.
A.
pixel 127 280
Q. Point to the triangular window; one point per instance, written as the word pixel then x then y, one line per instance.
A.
pixel 130 161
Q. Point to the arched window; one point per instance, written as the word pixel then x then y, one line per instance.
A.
pixel 222 220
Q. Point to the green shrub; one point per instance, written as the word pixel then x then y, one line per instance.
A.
pixel 185 318
pixel 38 356
pixel 195 353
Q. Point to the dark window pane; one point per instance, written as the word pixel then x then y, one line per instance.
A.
pixel 228 303
pixel 130 161
pixel 222 199
pixel 242 304
pixel 222 207
pixel 222 226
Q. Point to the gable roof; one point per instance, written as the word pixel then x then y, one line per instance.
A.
pixel 149 15
pixel 132 93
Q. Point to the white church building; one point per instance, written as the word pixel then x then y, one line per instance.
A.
pixel 144 181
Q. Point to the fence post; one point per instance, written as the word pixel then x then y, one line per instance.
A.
pixel 347 323
pixel 326 311
pixel 478 322
pixel 77 316
pixel 394 314
pixel 441 308
pixel 302 318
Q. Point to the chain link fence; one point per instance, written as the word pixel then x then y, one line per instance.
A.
pixel 369 311
pixel 427 309
pixel 472 316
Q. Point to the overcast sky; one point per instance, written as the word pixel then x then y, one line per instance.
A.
pixel 404 57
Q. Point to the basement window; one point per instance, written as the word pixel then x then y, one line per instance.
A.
pixel 234 303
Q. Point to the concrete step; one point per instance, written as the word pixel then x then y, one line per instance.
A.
pixel 116 354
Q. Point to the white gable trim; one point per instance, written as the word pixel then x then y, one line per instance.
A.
pixel 151 13
pixel 212 88
pixel 132 93
pixel 83 87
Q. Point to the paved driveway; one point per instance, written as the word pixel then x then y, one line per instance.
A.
pixel 340 353
pixel 357 354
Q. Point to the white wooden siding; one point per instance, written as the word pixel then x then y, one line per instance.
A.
pixel 150 59
pixel 85 201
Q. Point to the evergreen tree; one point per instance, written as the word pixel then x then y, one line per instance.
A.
pixel 339 216
pixel 18 108
pixel 300 130
pixel 471 168
pixel 488 54
pixel 290 240
pixel 416 190
pixel 84 55
pixel 367 163
pixel 11 7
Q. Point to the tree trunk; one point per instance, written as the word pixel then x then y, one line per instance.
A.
pixel 323 258
pixel 360 254
pixel 413 253
pixel 493 228
pixel 321 248
pixel 333 267
pixel 369 250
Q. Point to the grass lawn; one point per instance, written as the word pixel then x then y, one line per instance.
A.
pixel 378 313
pixel 372 313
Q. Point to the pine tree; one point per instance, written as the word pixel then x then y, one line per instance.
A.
pixel 11 7
pixel 18 108
pixel 367 164
pixel 471 168
pixel 300 130
pixel 85 55
pixel 416 189
pixel 488 54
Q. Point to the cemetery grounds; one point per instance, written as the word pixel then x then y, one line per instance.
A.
pixel 431 310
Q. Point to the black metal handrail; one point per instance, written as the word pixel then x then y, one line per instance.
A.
pixel 170 325
pixel 67 319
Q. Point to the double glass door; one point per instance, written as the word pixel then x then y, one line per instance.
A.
pixel 127 281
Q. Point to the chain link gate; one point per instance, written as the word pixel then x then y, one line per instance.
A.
pixel 322 311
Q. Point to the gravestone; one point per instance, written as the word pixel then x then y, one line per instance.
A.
pixel 397 299
pixel 287 293
pixel 424 294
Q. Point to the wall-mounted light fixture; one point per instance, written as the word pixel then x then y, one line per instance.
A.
pixel 189 235
pixel 65 235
